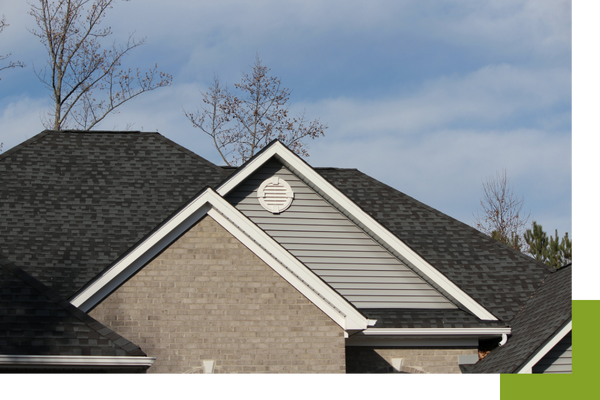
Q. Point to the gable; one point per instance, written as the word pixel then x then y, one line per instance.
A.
pixel 334 247
pixel 208 297
pixel 210 203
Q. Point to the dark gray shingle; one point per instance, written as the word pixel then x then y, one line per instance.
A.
pixel 71 203
pixel 547 311
pixel 35 320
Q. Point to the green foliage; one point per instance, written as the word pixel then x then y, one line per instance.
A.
pixel 552 251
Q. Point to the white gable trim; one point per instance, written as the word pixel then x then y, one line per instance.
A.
pixel 411 256
pixel 558 336
pixel 209 202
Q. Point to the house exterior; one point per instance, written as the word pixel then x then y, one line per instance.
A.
pixel 275 266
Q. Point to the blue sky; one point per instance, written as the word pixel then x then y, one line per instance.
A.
pixel 427 97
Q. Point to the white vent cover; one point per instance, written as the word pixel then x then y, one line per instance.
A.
pixel 275 195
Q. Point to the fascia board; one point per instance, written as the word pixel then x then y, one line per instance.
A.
pixel 98 361
pixel 209 202
pixel 411 256
pixel 436 331
pixel 558 336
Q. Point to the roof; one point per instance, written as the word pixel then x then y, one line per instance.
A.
pixel 547 311
pixel 496 276
pixel 35 320
pixel 72 202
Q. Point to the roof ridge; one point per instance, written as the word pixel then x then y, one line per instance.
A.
pixel 119 341
pixel 460 223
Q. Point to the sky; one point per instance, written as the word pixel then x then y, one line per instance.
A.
pixel 430 98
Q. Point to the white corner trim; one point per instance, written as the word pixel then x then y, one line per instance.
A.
pixel 558 336
pixel 279 259
pixel 436 331
pixel 66 361
pixel 411 256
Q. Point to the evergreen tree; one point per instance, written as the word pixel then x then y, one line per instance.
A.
pixel 549 250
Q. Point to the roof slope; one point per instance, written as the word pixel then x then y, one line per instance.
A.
pixel 496 276
pixel 72 202
pixel 548 310
pixel 34 320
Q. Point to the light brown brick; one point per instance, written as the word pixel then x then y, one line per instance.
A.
pixel 209 297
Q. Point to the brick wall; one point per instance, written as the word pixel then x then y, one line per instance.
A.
pixel 420 361
pixel 207 297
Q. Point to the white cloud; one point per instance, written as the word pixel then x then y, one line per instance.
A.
pixel 20 120
pixel 489 96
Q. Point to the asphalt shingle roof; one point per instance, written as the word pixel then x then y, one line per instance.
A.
pixel 547 311
pixel 498 277
pixel 72 202
pixel 35 320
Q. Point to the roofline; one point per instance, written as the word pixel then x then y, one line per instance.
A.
pixel 66 361
pixel 27 142
pixel 543 350
pixel 436 331
pixel 276 148
pixel 272 253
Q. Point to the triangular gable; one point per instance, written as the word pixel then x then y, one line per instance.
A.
pixel 329 243
pixel 301 168
pixel 211 203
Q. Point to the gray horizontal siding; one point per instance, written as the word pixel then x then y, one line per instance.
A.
pixel 559 360
pixel 334 247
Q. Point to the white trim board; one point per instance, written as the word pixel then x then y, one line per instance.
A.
pixel 558 336
pixel 289 158
pixel 436 331
pixel 66 361
pixel 211 203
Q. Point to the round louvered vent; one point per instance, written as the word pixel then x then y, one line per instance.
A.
pixel 275 195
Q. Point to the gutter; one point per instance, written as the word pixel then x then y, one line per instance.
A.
pixel 436 331
pixel 67 361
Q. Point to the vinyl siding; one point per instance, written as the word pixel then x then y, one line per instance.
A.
pixel 334 247
pixel 559 360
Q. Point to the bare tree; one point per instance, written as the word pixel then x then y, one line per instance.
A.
pixel 501 211
pixel 242 125
pixel 214 117
pixel 11 64
pixel 85 79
